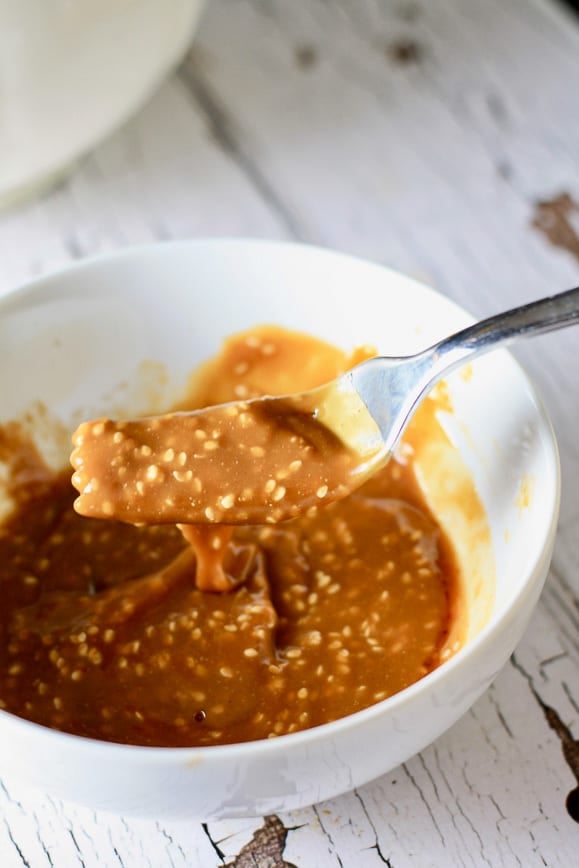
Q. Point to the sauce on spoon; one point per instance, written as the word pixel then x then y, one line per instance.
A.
pixel 251 462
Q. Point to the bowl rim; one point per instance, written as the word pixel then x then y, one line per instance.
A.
pixel 498 622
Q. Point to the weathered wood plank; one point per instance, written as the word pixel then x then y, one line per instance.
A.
pixel 423 136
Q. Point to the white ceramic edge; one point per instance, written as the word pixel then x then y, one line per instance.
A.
pixel 481 652
pixel 56 171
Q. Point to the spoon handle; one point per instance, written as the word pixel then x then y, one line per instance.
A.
pixel 535 318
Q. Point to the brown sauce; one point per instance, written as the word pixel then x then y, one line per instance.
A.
pixel 106 629
pixel 247 462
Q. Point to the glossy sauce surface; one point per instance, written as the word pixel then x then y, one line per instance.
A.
pixel 107 631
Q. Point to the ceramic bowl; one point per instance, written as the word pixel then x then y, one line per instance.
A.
pixel 127 330
pixel 73 73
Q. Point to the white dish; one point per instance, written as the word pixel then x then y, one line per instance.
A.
pixel 72 72
pixel 71 339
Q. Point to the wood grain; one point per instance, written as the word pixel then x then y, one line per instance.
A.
pixel 421 135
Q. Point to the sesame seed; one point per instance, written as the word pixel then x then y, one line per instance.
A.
pixel 200 434
pixel 295 465
pixel 270 486
pixel 322 491
pixel 227 501
pixel 250 652
pixel 279 493
pixel 210 445
pixel 257 451
pixel 107 507
pixel 98 429
pixel 152 472
pixel 182 475
pixel 168 455
pixel 146 451
pixel 210 513
pixel 246 421
pixel 302 692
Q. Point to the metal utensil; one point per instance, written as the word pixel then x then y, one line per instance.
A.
pixel 391 388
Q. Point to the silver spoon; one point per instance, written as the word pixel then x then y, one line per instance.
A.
pixel 269 459
pixel 391 388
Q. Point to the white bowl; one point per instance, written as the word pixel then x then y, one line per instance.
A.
pixel 73 72
pixel 69 340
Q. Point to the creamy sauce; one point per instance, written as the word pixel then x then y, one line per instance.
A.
pixel 108 630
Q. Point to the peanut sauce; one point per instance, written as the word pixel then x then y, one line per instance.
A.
pixel 255 462
pixel 116 632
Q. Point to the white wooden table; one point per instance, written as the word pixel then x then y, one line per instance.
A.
pixel 422 135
